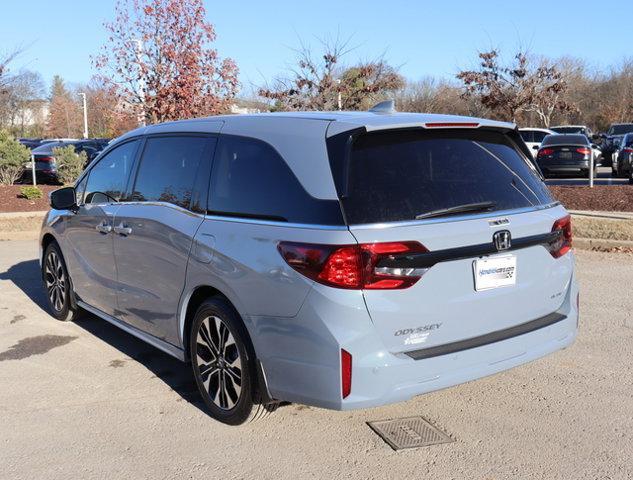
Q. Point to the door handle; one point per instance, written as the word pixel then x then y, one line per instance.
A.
pixel 103 228
pixel 122 229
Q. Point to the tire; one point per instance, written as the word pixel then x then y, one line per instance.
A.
pixel 57 285
pixel 219 344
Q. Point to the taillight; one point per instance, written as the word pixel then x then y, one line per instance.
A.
pixel 545 151
pixel 562 244
pixel 346 373
pixel 583 150
pixel 627 150
pixel 45 159
pixel 451 125
pixel 352 266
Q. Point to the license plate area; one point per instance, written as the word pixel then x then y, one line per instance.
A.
pixel 565 155
pixel 495 272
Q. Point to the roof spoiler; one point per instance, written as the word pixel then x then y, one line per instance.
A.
pixel 386 107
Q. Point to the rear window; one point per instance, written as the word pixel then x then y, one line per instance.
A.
pixel 568 130
pixel 399 175
pixel 565 140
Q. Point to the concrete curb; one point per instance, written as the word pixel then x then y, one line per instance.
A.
pixel 606 215
pixel 38 213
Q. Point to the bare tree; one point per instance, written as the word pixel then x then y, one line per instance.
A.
pixel 322 83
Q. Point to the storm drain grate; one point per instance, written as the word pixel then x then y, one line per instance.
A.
pixel 411 432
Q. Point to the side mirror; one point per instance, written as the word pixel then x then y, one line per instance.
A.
pixel 63 199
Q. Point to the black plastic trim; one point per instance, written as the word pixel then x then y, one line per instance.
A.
pixel 488 338
pixel 428 259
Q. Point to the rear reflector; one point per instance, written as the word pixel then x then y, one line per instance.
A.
pixel 352 266
pixel 451 124
pixel 563 241
pixel 346 373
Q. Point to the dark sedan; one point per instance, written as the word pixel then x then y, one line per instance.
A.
pixel 45 164
pixel 565 155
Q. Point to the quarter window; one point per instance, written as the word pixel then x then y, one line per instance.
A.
pixel 108 178
pixel 168 169
pixel 250 179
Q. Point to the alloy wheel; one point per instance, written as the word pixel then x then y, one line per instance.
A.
pixel 55 280
pixel 219 363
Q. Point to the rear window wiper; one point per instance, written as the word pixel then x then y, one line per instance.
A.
pixel 467 207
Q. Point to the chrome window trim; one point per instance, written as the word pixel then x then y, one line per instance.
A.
pixel 453 218
pixel 273 223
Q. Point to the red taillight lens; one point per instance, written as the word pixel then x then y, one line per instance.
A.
pixel 346 373
pixel 545 151
pixel 627 150
pixel 583 150
pixel 562 244
pixel 45 159
pixel 352 266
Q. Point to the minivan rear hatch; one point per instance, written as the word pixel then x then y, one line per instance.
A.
pixel 485 238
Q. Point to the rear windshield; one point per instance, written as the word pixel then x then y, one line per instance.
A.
pixel 568 129
pixel 565 140
pixel 400 175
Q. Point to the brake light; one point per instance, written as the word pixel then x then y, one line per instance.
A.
pixel 451 124
pixel 627 150
pixel 562 244
pixel 352 266
pixel 346 373
pixel 45 159
pixel 584 150
pixel 545 151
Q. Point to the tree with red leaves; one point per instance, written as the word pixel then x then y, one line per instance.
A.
pixel 509 90
pixel 159 60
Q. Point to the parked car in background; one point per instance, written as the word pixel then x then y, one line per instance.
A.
pixel 45 164
pixel 615 153
pixel 586 131
pixel 337 259
pixel 566 155
pixel 533 137
pixel 609 144
pixel 623 157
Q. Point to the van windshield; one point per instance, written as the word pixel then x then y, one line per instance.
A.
pixel 400 175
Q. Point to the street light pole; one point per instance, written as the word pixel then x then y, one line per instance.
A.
pixel 141 83
pixel 83 96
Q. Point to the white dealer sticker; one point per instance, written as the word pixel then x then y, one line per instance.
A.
pixel 494 272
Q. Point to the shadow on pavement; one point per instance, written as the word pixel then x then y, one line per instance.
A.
pixel 176 374
pixel 26 276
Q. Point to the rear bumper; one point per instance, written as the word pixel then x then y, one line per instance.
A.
pixel 306 368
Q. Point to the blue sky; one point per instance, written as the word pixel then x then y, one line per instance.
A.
pixel 421 37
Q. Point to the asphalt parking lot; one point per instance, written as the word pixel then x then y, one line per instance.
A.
pixel 602 178
pixel 86 400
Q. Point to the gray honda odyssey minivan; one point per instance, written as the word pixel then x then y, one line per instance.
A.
pixel 337 259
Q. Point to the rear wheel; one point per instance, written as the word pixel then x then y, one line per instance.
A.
pixel 223 364
pixel 57 284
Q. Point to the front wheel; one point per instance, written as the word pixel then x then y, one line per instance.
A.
pixel 222 362
pixel 57 284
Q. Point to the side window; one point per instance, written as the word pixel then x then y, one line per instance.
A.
pixel 108 178
pixel 249 179
pixel 527 135
pixel 539 136
pixel 168 169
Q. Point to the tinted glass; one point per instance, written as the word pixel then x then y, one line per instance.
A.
pixel 539 136
pixel 527 135
pixel 628 140
pixel 168 169
pixel 565 140
pixel 396 176
pixel 250 179
pixel 108 178
pixel 621 129
pixel 567 130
